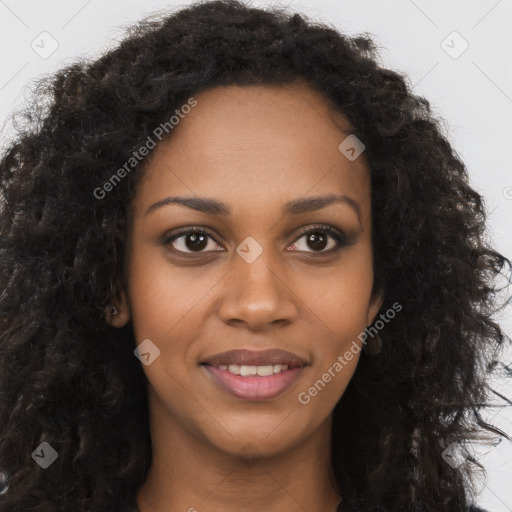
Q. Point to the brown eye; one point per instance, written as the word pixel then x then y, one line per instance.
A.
pixel 317 239
pixel 321 239
pixel 190 241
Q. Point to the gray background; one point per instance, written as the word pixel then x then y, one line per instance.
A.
pixel 472 91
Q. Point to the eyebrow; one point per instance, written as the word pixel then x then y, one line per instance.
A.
pixel 295 207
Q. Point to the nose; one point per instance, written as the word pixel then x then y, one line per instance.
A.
pixel 258 295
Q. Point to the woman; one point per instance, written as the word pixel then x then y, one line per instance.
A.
pixel 242 269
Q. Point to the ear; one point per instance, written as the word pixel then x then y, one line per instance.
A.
pixel 117 313
pixel 376 302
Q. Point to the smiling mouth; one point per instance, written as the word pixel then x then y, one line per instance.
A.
pixel 253 383
pixel 250 370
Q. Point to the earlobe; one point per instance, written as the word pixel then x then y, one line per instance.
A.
pixel 375 305
pixel 117 313
pixel 373 346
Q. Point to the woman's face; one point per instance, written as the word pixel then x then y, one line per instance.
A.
pixel 254 280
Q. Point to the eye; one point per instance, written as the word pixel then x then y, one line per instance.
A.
pixel 317 237
pixel 194 239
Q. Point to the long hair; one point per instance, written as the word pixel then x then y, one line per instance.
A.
pixel 69 379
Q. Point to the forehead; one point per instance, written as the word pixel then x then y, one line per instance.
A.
pixel 253 144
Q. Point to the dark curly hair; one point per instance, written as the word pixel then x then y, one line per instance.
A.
pixel 69 378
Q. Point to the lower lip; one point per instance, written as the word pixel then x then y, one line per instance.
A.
pixel 254 387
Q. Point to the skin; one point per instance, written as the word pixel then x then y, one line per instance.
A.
pixel 253 148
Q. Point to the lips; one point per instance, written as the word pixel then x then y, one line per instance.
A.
pixel 243 357
pixel 253 387
pixel 254 375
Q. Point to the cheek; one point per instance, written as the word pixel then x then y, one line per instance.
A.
pixel 162 294
pixel 340 299
pixel 339 304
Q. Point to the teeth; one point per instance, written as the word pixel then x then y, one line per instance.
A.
pixel 262 371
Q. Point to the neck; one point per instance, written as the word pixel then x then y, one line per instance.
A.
pixel 188 473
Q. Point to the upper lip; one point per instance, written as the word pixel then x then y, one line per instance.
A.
pixel 255 358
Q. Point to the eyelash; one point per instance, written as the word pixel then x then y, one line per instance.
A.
pixel 339 237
